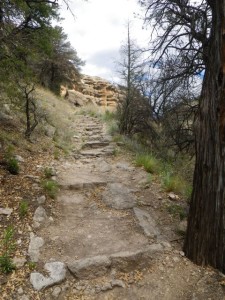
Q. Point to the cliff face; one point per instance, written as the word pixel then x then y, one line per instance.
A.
pixel 94 90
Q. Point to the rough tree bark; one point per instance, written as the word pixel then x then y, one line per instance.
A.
pixel 205 240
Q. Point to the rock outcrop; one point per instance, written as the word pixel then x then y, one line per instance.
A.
pixel 94 90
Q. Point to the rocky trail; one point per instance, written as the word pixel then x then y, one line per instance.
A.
pixel 108 235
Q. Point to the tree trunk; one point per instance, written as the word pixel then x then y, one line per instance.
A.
pixel 204 243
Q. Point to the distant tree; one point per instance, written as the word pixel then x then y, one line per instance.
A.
pixel 134 111
pixel 61 65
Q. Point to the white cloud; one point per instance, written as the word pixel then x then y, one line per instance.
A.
pixel 98 30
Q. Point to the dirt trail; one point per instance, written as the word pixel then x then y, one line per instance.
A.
pixel 112 235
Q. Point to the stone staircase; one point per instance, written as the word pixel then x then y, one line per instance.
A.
pixel 98 227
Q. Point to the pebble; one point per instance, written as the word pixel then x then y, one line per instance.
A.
pixel 182 253
pixel 20 291
pixel 56 292
pixel 176 259
pixel 106 287
pixel 118 283
pixel 41 199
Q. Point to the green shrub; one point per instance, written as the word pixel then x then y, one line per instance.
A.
pixel 51 187
pixel 7 246
pixel 173 183
pixel 13 166
pixel 149 162
pixel 23 208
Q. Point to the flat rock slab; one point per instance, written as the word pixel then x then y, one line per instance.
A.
pixel 147 223
pixel 127 261
pixel 89 268
pixel 34 247
pixel 6 211
pixel 57 273
pixel 82 230
pixel 81 178
pixel 119 196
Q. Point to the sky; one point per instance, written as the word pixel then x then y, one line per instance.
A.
pixel 98 30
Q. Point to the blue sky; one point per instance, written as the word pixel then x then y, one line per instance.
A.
pixel 98 30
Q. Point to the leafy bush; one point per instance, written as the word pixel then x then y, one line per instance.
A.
pixel 7 246
pixel 51 187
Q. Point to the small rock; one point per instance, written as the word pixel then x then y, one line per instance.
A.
pixel 36 225
pixel 173 196
pixel 89 268
pixel 50 131
pixel 40 215
pixel 19 242
pixel 19 158
pixel 56 292
pixel 146 222
pixel 41 199
pixel 57 271
pixel 106 287
pixel 182 253
pixel 35 244
pixel 6 211
pixel 20 291
pixel 118 283
pixel 19 262
pixel 182 227
pixel 24 297
pixel 176 259
pixel 166 245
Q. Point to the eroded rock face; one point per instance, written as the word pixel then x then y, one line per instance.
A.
pixel 94 90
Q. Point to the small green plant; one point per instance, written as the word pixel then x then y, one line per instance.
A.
pixel 13 166
pixel 7 246
pixel 173 183
pixel 48 172
pixel 23 208
pixel 56 154
pixel 188 192
pixel 31 265
pixel 177 210
pixel 51 187
pixel 149 162
pixel 108 116
pixel 112 128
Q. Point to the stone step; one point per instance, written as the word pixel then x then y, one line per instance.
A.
pixel 80 179
pixel 95 144
pixel 107 151
pixel 126 261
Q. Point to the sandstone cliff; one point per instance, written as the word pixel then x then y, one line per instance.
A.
pixel 93 90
